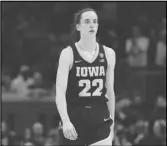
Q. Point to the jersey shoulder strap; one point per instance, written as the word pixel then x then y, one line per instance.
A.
pixel 101 49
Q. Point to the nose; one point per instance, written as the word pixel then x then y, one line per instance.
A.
pixel 91 23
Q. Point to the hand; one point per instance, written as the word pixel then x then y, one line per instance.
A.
pixel 69 131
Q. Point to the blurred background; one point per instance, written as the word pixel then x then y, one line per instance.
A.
pixel 33 35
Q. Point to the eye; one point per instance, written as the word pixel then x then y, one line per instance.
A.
pixel 95 21
pixel 87 21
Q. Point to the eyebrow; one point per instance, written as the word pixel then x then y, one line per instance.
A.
pixel 89 19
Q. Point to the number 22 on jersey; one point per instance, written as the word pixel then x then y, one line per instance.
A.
pixel 87 83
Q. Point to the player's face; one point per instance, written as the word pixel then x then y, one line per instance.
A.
pixel 88 24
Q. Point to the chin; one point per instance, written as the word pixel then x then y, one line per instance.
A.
pixel 89 36
pixel 92 34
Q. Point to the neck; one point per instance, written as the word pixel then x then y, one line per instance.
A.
pixel 88 44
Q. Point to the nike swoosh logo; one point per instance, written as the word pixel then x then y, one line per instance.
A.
pixel 76 61
pixel 106 119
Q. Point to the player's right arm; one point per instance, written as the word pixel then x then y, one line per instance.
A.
pixel 61 87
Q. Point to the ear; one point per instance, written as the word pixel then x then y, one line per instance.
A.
pixel 78 27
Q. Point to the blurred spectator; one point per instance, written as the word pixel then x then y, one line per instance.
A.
pixel 27 139
pixel 142 132
pixel 6 82
pixel 8 137
pixel 159 129
pixel 159 111
pixel 53 138
pixel 6 79
pixel 136 48
pixel 138 102
pixel 131 133
pixel 22 81
pixel 133 111
pixel 157 122
pixel 157 134
pixel 122 103
pixel 37 80
pixel 116 141
pixel 125 142
pixel 117 133
pixel 123 139
pixel 38 134
pixel 5 139
pixel 37 87
pixel 160 58
pixel 161 101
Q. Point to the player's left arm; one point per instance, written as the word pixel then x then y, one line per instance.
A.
pixel 111 59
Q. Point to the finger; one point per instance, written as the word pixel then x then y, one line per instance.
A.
pixel 75 133
pixel 67 135
pixel 64 133
pixel 71 135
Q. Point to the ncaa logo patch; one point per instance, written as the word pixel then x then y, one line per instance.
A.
pixel 101 55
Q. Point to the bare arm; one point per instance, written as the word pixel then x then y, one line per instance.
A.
pixel 110 91
pixel 110 82
pixel 61 84
pixel 65 63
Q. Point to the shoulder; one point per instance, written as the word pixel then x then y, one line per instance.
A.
pixel 66 56
pixel 108 50
pixel 110 55
pixel 66 51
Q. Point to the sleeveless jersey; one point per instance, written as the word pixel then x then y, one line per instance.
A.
pixel 86 81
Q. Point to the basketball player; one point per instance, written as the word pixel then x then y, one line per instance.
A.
pixel 84 86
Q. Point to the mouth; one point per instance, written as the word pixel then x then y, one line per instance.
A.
pixel 91 31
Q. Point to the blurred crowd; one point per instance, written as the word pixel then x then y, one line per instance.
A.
pixel 136 125
pixel 133 126
pixel 141 50
pixel 33 136
pixel 140 118
pixel 28 83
